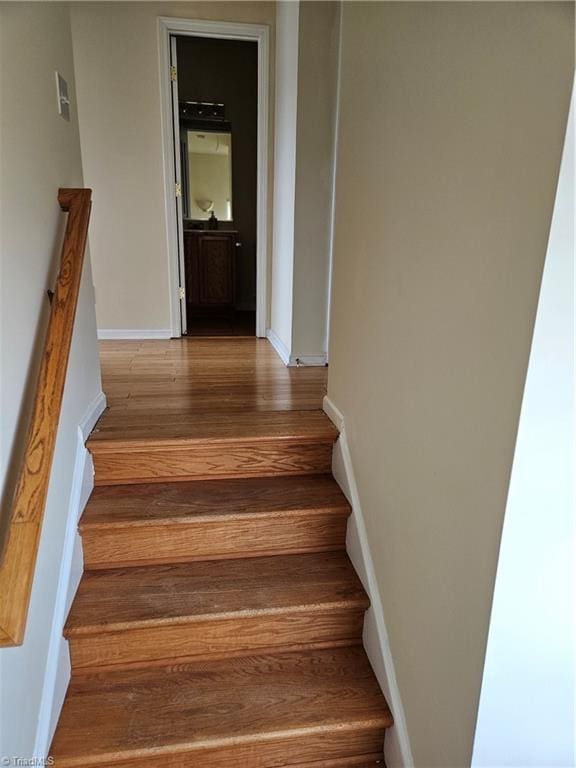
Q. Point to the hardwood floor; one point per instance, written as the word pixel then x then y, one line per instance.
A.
pixel 219 620
pixel 205 375
pixel 168 522
pixel 215 607
pixel 247 711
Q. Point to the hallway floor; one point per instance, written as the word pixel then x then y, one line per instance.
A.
pixel 204 375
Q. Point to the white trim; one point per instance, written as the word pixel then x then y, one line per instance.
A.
pixel 93 413
pixel 230 31
pixel 175 110
pixel 58 669
pixel 169 182
pixel 397 749
pixel 333 184
pixel 303 360
pixel 293 361
pixel 279 346
pixel 333 413
pixel 134 333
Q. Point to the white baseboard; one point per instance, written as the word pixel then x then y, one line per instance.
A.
pixel 77 563
pixel 333 414
pixel 93 413
pixel 279 346
pixel 398 753
pixel 58 668
pixel 131 333
pixel 302 360
pixel 293 360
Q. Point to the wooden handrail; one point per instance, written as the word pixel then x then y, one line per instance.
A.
pixel 23 534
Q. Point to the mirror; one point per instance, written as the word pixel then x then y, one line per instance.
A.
pixel 208 172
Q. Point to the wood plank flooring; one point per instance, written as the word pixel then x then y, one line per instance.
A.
pixel 251 710
pixel 174 522
pixel 215 607
pixel 204 375
pixel 219 620
pixel 191 409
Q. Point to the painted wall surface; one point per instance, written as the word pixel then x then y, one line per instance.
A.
pixel 286 68
pixel 227 71
pixel 315 134
pixel 40 152
pixel 451 131
pixel 306 80
pixel 531 656
pixel 117 70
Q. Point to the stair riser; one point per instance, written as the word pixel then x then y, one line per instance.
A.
pixel 324 748
pixel 204 639
pixel 106 547
pixel 261 459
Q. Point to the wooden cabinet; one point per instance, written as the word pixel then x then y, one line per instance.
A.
pixel 210 259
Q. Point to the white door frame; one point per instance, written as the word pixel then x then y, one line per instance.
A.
pixel 258 33
pixel 175 133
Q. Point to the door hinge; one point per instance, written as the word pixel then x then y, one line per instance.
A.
pixel 178 189
pixel 182 293
pixel 173 74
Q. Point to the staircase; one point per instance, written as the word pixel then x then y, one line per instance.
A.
pixel 219 621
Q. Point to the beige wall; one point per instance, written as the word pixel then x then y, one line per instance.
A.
pixel 39 153
pixel 451 129
pixel 117 69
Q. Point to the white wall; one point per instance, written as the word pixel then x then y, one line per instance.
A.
pixel 452 122
pixel 39 153
pixel 281 293
pixel 317 86
pixel 531 657
pixel 306 80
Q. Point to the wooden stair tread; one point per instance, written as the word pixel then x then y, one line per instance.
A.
pixel 154 523
pixel 115 430
pixel 154 503
pixel 118 598
pixel 200 707
pixel 126 617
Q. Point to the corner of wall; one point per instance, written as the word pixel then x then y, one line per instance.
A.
pixel 397 748
pixel 281 349
pixel 294 361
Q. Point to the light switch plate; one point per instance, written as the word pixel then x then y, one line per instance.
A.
pixel 62 94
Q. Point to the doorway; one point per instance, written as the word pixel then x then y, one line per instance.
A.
pixel 215 129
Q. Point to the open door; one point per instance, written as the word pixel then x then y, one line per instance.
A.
pixel 178 177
